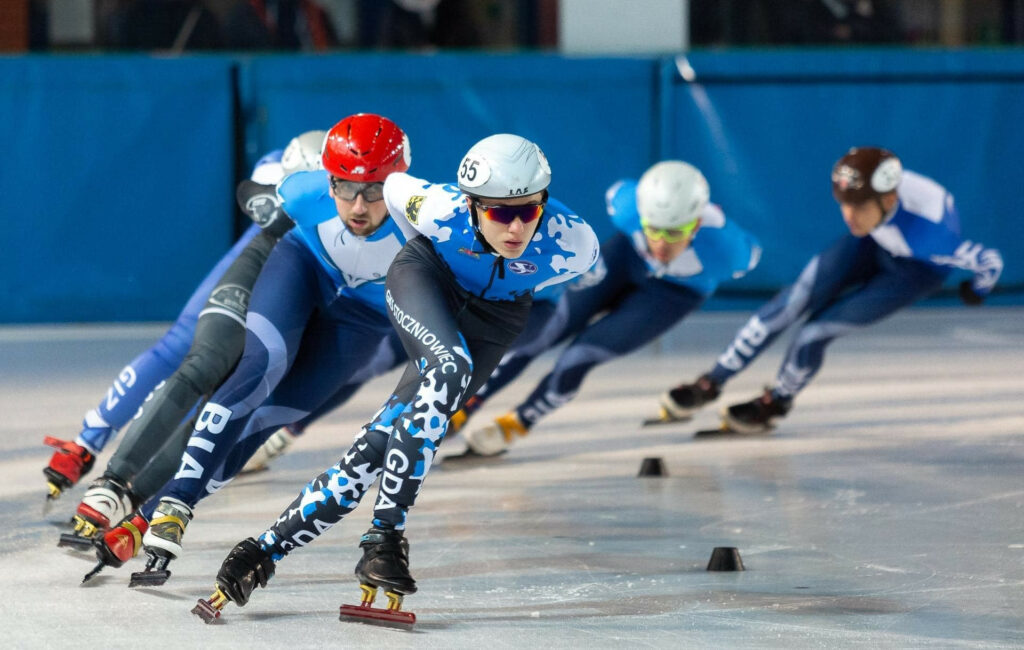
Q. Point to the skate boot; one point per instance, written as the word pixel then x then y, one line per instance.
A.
pixel 275 445
pixel 119 544
pixel 246 567
pixel 67 465
pixel 460 417
pixel 681 402
pixel 162 542
pixel 759 415
pixel 107 501
pixel 496 438
pixel 385 564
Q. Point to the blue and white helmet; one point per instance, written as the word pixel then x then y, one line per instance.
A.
pixel 671 194
pixel 303 153
pixel 503 166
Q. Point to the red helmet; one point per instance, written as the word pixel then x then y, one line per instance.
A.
pixel 865 173
pixel 366 148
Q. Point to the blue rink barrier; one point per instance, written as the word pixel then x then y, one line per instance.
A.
pixel 766 127
pixel 118 170
pixel 116 184
pixel 595 118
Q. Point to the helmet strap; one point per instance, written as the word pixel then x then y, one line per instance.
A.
pixel 886 214
pixel 474 221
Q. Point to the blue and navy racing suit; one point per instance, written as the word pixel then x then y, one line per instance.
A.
pixel 144 372
pixel 457 307
pixel 544 327
pixel 637 297
pixel 316 319
pixel 860 280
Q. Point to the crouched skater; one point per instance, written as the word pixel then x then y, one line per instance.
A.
pixel 458 293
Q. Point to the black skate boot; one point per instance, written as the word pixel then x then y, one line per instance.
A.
pixel 385 561
pixel 246 567
pixel 759 415
pixel 385 564
pixel 681 402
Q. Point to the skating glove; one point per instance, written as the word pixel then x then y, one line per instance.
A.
pixel 261 204
pixel 969 296
pixel 245 568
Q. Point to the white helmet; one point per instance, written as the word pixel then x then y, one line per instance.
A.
pixel 303 153
pixel 504 165
pixel 671 194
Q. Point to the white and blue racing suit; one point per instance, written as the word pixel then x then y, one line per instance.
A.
pixel 861 280
pixel 637 297
pixel 457 307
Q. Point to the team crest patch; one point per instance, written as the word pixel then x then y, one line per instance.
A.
pixel 522 267
pixel 232 298
pixel 412 208
pixel 466 251
pixel 262 208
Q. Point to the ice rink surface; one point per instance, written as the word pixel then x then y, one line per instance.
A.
pixel 886 511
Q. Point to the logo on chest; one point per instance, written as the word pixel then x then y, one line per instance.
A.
pixel 522 267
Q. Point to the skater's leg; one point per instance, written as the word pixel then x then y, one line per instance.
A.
pixel 389 355
pixel 544 326
pixel 327 361
pixel 142 374
pixel 470 336
pixel 214 350
pixel 899 283
pixel 283 300
pixel 647 312
pixel 218 343
pixel 439 374
pixel 845 264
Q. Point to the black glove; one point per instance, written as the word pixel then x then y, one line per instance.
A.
pixel 246 567
pixel 969 296
pixel 260 203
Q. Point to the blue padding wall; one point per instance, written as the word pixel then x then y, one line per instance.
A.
pixel 117 171
pixel 116 184
pixel 767 127
pixel 596 119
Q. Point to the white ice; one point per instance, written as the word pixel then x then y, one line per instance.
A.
pixel 886 511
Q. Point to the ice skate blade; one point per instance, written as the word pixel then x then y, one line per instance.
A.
pixel 665 418
pixel 149 578
pixel 206 611
pixel 89 576
pixel 472 456
pixel 661 420
pixel 377 616
pixel 77 542
pixel 254 470
pixel 50 498
pixel 209 610
pixel 728 432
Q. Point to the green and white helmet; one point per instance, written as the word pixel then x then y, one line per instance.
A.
pixel 503 166
pixel 303 153
pixel 671 194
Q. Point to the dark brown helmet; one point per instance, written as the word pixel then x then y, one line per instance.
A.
pixel 865 173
